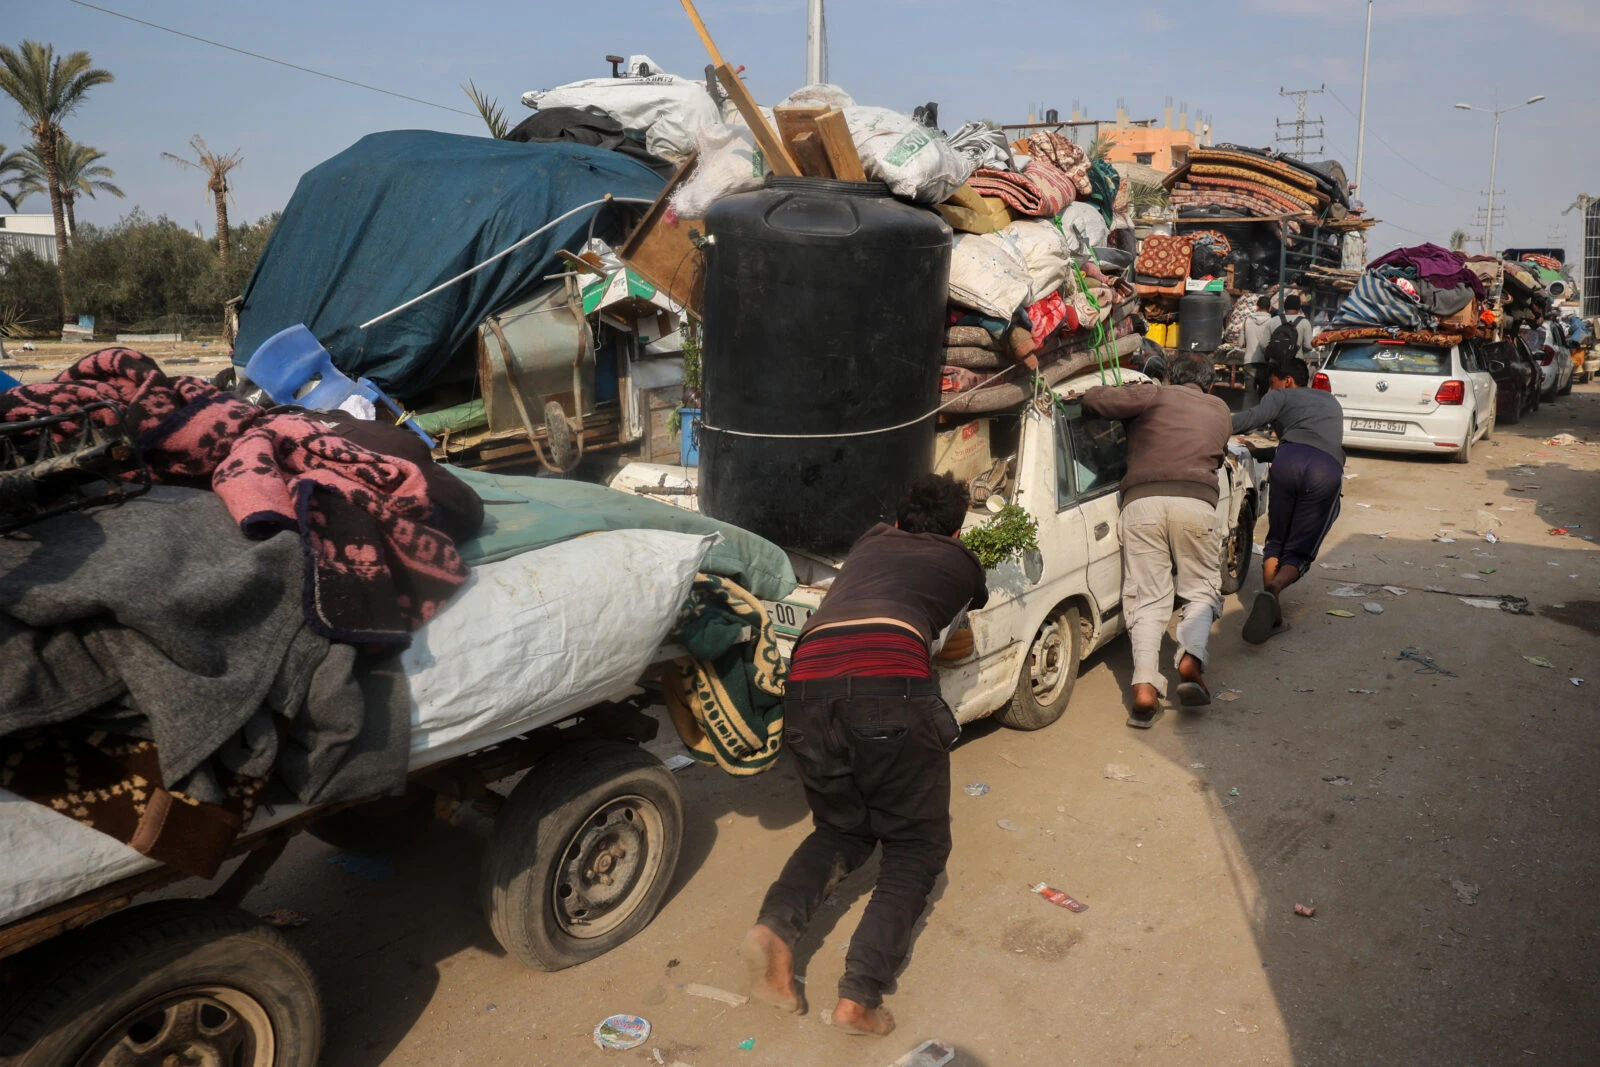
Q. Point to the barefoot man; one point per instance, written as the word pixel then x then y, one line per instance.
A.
pixel 871 737
pixel 1176 437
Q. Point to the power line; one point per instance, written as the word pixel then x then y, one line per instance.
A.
pixel 1395 150
pixel 269 59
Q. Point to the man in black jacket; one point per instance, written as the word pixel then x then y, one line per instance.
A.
pixel 871 737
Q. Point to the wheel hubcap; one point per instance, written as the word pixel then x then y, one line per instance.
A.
pixel 210 1026
pixel 1047 662
pixel 608 867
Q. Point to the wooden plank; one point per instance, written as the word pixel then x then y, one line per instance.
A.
pixel 662 254
pixel 772 149
pixel 812 157
pixel 705 35
pixel 793 121
pixel 841 149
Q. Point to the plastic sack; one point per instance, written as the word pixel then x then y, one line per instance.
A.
pixel 729 163
pixel 912 160
pixel 819 94
pixel 985 145
pixel 988 273
pixel 1084 227
pixel 669 109
pixel 1044 249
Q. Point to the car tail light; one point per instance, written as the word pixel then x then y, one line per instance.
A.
pixel 1452 392
pixel 1321 382
pixel 1546 355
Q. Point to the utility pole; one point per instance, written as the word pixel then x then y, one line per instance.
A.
pixel 1361 132
pixel 816 43
pixel 1304 129
pixel 1494 157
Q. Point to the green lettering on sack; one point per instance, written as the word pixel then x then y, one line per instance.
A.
pixel 908 146
pixel 757 164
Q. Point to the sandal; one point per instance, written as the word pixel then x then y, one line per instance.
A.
pixel 1263 613
pixel 1193 695
pixel 1143 720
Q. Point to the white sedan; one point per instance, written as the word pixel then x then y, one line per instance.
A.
pixel 1403 397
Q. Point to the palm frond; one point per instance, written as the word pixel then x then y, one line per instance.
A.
pixel 489 109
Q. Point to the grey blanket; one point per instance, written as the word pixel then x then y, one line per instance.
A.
pixel 161 620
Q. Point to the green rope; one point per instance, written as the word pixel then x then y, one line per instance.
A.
pixel 1099 343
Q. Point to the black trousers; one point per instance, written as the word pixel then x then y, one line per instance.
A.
pixel 874 759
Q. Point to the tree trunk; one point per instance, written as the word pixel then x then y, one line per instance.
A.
pixel 222 230
pixel 67 200
pixel 46 144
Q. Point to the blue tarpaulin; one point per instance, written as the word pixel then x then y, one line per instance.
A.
pixel 396 214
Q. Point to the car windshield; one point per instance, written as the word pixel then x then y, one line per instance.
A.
pixel 1391 359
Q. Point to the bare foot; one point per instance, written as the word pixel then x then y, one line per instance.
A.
pixel 771 967
pixel 1190 669
pixel 861 1021
pixel 1146 699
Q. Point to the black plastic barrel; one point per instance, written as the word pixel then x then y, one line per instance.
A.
pixel 824 315
pixel 1201 319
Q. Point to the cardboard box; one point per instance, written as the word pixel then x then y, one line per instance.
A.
pixel 963 451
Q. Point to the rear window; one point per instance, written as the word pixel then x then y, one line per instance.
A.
pixel 1391 359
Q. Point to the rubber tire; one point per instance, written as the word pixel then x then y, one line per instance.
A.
pixel 1493 424
pixel 1514 412
pixel 88 980
pixel 1245 534
pixel 1566 390
pixel 1464 453
pixel 386 825
pixel 532 830
pixel 563 448
pixel 1023 711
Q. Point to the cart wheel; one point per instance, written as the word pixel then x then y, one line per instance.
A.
pixel 582 853
pixel 1238 548
pixel 563 448
pixel 173 982
pixel 1049 674
pixel 384 825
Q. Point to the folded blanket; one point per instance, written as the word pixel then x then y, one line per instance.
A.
pixel 379 566
pixel 726 696
pixel 1437 266
pixel 1377 301
pixel 1065 155
pixel 1042 191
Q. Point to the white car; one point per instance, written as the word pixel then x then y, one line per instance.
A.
pixel 1403 397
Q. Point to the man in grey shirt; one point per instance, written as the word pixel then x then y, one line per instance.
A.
pixel 1255 349
pixel 1307 481
pixel 1291 316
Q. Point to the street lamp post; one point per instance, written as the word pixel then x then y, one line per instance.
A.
pixel 1494 160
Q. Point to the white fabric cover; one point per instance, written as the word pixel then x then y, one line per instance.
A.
pixel 669 109
pixel 1044 250
pixel 525 643
pixel 988 273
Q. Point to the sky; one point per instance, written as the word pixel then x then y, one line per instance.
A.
pixel 1426 168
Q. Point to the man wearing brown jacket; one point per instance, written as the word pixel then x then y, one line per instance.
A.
pixel 1177 435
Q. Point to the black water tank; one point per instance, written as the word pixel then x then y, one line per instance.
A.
pixel 824 314
pixel 1201 318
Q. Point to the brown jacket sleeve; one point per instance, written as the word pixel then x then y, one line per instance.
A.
pixel 1121 401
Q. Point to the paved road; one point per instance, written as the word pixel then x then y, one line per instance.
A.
pixel 1442 825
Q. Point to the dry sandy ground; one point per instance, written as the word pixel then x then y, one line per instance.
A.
pixel 1443 826
pixel 202 358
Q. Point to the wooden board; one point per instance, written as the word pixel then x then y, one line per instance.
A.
pixel 772 149
pixel 813 159
pixel 705 34
pixel 662 253
pixel 840 147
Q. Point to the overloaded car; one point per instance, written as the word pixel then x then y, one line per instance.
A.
pixel 1548 343
pixel 1399 396
pixel 1517 377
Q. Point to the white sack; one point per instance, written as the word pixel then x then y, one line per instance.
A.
pixel 669 109
pixel 989 274
pixel 1045 251
pixel 729 163
pixel 986 145
pixel 912 160
pixel 819 94
pixel 1085 228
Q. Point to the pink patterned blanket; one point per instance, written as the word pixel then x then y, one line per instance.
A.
pixel 376 566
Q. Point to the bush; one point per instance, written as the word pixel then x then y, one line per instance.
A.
pixel 28 285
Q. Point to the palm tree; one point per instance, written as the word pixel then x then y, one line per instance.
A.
pixel 216 168
pixel 48 88
pixel 1101 148
pixel 11 164
pixel 78 172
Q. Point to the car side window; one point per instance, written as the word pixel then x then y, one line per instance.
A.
pixel 1091 454
pixel 1469 357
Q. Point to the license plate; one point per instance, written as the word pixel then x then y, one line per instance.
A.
pixel 1378 425
pixel 788 618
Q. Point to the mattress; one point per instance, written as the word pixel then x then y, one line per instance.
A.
pixel 526 642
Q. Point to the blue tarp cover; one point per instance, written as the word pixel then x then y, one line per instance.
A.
pixel 396 214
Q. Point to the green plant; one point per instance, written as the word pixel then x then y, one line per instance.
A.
pixel 489 109
pixel 1010 533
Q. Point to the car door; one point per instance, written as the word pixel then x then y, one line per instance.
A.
pixel 1091 458
pixel 1476 373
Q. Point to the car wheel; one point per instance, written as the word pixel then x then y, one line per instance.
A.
pixel 582 853
pixel 1238 548
pixel 1049 674
pixel 173 982
pixel 1514 404
pixel 1565 390
pixel 1494 420
pixel 1464 453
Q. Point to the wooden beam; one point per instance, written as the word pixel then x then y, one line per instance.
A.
pixel 772 149
pixel 705 35
pixel 840 147
pixel 813 158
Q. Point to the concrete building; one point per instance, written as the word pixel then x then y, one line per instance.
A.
pixel 36 233
pixel 1162 144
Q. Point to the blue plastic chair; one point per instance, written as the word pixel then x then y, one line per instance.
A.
pixel 291 359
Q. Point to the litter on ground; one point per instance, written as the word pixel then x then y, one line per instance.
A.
pixel 1538 661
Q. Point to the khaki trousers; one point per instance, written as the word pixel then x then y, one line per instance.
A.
pixel 1159 532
